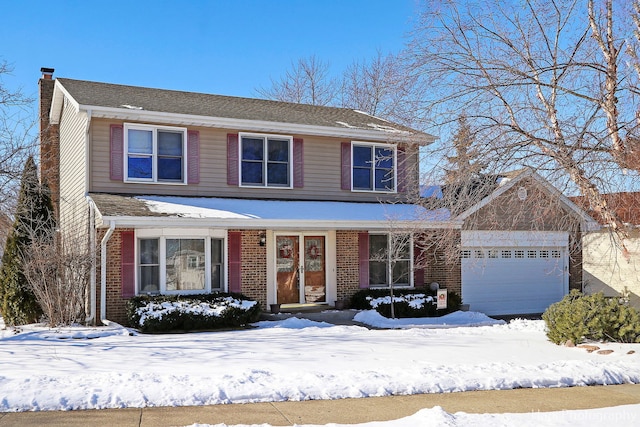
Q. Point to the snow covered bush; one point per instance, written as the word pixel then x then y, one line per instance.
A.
pixel 408 303
pixel 594 317
pixel 162 313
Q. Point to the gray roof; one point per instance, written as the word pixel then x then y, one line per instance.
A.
pixel 142 99
pixel 248 213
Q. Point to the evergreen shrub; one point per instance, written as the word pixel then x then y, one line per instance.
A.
pixel 579 317
pixel 404 302
pixel 166 313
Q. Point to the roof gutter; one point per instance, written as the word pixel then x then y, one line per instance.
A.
pixel 277 224
pixel 419 138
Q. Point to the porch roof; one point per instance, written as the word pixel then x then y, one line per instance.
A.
pixel 172 211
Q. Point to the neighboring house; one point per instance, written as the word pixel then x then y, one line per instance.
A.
pixel 520 247
pixel 185 193
pixel 607 267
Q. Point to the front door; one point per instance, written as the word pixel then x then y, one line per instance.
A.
pixel 301 269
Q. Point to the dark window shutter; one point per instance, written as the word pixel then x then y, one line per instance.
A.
pixel 298 163
pixel 401 174
pixel 363 259
pixel 418 266
pixel 128 263
pixel 346 165
pixel 193 157
pixel 232 159
pixel 235 261
pixel 116 147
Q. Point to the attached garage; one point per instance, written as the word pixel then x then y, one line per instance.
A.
pixel 513 272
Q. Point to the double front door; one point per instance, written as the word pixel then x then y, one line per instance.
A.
pixel 301 269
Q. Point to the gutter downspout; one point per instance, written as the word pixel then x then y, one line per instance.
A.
pixel 92 227
pixel 103 274
pixel 92 249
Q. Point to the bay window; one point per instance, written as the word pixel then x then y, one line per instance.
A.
pixel 174 264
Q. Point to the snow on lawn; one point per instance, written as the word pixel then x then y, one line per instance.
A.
pixel 294 359
pixel 620 416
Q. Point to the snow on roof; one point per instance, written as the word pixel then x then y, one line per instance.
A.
pixel 222 208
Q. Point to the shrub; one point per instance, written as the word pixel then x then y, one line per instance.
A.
pixel 595 317
pixel 164 313
pixel 417 302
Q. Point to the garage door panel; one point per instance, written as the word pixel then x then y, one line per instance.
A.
pixel 506 284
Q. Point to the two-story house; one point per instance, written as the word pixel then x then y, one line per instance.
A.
pixel 188 193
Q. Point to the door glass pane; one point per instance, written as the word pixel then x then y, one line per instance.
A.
pixel 315 289
pixel 285 255
pixel 314 254
pixel 288 274
pixel 185 264
pixel 140 141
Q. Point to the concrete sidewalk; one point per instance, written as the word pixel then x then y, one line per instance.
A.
pixel 344 411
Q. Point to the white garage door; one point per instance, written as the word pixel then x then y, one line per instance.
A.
pixel 513 280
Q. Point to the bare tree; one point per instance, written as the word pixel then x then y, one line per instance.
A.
pixel 382 87
pixel 548 84
pixel 16 144
pixel 307 82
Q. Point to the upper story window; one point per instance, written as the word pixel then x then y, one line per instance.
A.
pixel 154 153
pixel 373 167
pixel 265 160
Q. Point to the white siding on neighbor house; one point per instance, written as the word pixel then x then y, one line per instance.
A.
pixel 606 269
pixel 322 170
pixel 73 170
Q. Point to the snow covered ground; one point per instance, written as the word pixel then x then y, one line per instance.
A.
pixel 296 359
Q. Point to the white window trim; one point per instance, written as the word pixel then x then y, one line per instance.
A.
pixel 389 266
pixel 162 235
pixel 154 153
pixel 374 145
pixel 265 137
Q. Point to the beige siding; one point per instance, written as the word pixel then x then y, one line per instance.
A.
pixel 607 270
pixel 73 205
pixel 322 171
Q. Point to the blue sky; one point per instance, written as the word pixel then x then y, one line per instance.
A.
pixel 215 46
